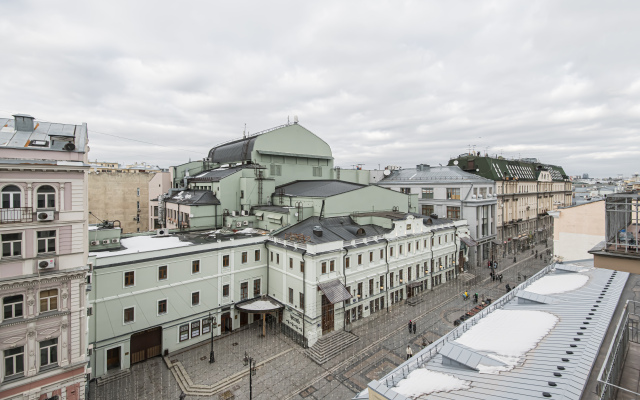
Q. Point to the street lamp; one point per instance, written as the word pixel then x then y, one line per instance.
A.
pixel 252 370
pixel 212 322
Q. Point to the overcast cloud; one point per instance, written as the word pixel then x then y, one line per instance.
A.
pixel 383 82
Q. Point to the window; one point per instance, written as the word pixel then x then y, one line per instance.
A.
pixel 48 300
pixel 244 257
pixel 225 290
pixel 332 265
pixel 184 332
pixel 359 259
pixel 370 287
pixel 155 211
pixel 46 197
pixel 400 249
pixel 400 275
pixel 324 267
pixel 242 194
pixel 11 244
pixel 408 247
pixel 371 256
pixel 317 171
pixel 390 251
pixel 162 273
pixel 405 190
pixel 347 262
pixel 89 311
pixel 391 282
pixel 277 258
pixel 244 290
pixel 256 255
pixel 195 328
pixel 12 307
pixel 128 315
pixel 14 361
pixel 275 170
pixel 427 210
pixel 195 298
pixel 206 326
pixel 272 256
pixel 225 261
pixel 138 192
pixel 301 266
pixel 453 212
pixel 301 301
pixel 381 254
pixel 195 266
pixel 11 196
pixel 360 290
pixel 427 193
pixel 290 296
pixel 129 279
pixel 162 307
pixel 290 263
pixel 138 205
pixel 381 283
pixel 409 274
pixel 453 193
pixel 408 227
pixel 256 288
pixel 49 352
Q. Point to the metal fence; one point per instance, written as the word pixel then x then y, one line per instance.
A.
pixel 613 367
pixel 622 227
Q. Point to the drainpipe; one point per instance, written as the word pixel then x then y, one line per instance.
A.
pixel 433 234
pixel 304 293
pixel 344 273
pixel 386 278
pixel 455 267
pixel 267 256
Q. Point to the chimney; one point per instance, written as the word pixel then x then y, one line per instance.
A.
pixel 317 230
pixel 24 122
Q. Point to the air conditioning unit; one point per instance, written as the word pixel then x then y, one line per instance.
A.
pixel 105 241
pixel 162 232
pixel 238 224
pixel 46 264
pixel 233 213
pixel 95 242
pixel 245 223
pixel 229 225
pixel 244 212
pixel 45 215
pixel 115 240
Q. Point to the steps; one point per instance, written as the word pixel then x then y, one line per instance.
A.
pixel 329 346
pixel 112 376
pixel 413 301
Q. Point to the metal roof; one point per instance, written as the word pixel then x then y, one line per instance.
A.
pixel 319 188
pixel 194 198
pixel 335 291
pixel 333 229
pixel 499 169
pixel 564 357
pixel 216 175
pixel 45 135
pixel 235 151
pixel 274 209
pixel 427 174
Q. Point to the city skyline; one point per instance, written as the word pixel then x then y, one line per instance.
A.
pixel 390 84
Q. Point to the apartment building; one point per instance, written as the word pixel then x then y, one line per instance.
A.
pixel 526 190
pixel 43 266
pixel 451 193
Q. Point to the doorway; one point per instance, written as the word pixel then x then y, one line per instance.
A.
pixel 327 315
pixel 146 344
pixel 244 318
pixel 113 358
pixel 225 322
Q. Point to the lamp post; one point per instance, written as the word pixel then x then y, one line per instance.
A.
pixel 212 321
pixel 252 370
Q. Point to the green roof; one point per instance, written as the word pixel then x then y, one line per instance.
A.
pixel 499 169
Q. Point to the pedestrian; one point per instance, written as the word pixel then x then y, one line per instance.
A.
pixel 410 326
pixel 493 277
pixel 500 277
pixel 508 288
pixel 414 327
pixel 466 295
pixel 409 352
pixel 475 298
pixel 424 343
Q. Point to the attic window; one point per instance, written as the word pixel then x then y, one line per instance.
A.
pixel 360 232
pixel 39 143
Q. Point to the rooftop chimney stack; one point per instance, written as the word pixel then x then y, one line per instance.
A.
pixel 24 122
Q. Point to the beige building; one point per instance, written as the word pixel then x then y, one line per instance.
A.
pixel 121 193
pixel 159 184
pixel 577 229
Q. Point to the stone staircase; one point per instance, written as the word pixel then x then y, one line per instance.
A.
pixel 329 346
pixel 415 300
pixel 112 376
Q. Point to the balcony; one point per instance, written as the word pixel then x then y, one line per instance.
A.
pixel 16 215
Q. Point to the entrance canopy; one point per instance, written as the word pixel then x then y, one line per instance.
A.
pixel 259 305
pixel 413 284
pixel 468 241
pixel 335 291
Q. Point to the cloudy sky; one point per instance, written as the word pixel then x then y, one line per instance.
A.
pixel 383 82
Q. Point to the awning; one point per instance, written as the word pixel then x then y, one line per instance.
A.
pixel 335 291
pixel 468 241
pixel 259 305
pixel 413 284
pixel 498 242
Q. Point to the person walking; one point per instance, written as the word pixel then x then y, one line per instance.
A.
pixel 466 295
pixel 414 327
pixel 493 276
pixel 410 326
pixel 475 298
pixel 508 288
pixel 409 352
pixel 500 277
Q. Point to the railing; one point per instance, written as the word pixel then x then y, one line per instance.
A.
pixel 613 367
pixel 432 350
pixel 13 215
pixel 622 227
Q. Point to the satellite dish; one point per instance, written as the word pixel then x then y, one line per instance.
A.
pixel 387 172
pixel 477 169
pixel 455 162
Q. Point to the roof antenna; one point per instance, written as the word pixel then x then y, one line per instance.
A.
pixel 244 133
pixel 288 123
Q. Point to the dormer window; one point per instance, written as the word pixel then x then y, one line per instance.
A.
pixel 360 232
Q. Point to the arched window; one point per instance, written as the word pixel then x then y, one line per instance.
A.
pixel 46 197
pixel 11 196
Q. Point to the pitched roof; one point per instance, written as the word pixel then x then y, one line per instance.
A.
pixel 215 175
pixel 45 135
pixel 317 188
pixel 432 174
pixel 333 229
pixel 194 198
pixel 499 169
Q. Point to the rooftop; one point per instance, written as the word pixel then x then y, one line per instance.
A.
pixel 498 168
pixel 539 340
pixel 317 188
pixel 194 198
pixel 24 131
pixel 426 173
pixel 333 229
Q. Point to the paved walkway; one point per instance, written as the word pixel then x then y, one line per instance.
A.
pixel 383 340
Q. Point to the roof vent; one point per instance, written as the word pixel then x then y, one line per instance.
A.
pixel 422 167
pixel 434 216
pixel 317 230
pixel 24 122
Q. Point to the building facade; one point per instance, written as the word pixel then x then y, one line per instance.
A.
pixel 577 229
pixel 43 267
pixel 451 193
pixel 526 190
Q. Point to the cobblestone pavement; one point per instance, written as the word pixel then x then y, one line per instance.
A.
pixel 383 340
